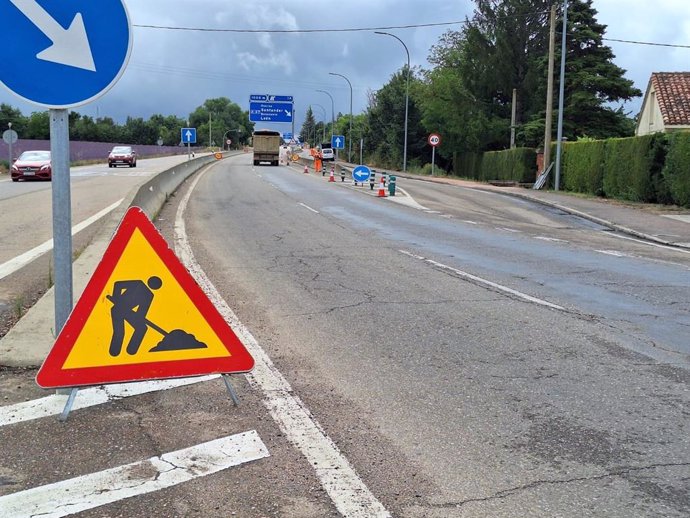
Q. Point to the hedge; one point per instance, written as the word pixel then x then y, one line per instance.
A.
pixel 627 168
pixel 583 166
pixel 676 170
pixel 519 165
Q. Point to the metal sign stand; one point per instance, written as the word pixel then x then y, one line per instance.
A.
pixel 73 395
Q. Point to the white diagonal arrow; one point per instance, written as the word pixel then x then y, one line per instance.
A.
pixel 70 46
pixel 287 113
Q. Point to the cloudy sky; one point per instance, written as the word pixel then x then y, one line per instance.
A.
pixel 174 71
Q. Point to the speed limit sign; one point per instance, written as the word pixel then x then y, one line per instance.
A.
pixel 434 139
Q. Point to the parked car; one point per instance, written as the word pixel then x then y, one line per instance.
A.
pixel 327 154
pixel 122 155
pixel 32 165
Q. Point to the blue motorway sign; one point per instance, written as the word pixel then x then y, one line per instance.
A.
pixel 338 141
pixel 271 98
pixel 360 174
pixel 270 112
pixel 287 136
pixel 188 135
pixel 64 54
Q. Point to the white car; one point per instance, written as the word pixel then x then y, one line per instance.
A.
pixel 327 154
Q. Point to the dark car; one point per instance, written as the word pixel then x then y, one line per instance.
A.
pixel 122 155
pixel 32 165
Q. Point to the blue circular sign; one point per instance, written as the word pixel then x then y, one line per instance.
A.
pixel 360 174
pixel 65 53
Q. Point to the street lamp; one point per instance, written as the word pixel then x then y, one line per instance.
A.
pixel 332 111
pixel 230 131
pixel 349 138
pixel 407 93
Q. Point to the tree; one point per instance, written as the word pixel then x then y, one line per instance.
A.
pixel 308 131
pixel 225 116
pixel 38 126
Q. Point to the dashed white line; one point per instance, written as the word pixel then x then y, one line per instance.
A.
pixel 614 253
pixel 506 229
pixel 78 494
pixel 346 489
pixel 308 208
pixel 484 282
pixel 555 239
pixel 22 260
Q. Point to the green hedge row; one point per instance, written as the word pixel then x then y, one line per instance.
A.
pixel 517 165
pixel 652 168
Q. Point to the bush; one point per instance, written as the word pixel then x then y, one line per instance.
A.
pixel 583 166
pixel 627 168
pixel 519 165
pixel 676 171
pixel 467 165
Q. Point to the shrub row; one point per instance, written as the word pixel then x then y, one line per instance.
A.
pixel 652 168
pixel 517 165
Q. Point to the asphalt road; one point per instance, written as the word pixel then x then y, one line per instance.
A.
pixel 475 357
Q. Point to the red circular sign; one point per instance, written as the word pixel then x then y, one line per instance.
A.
pixel 434 139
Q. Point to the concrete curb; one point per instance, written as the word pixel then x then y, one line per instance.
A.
pixel 27 344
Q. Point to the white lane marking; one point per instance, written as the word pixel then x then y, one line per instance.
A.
pixel 544 238
pixel 506 229
pixel 346 489
pixel 470 222
pixel 613 253
pixel 53 404
pixel 111 485
pixel 308 208
pixel 484 282
pixel 628 238
pixel 22 260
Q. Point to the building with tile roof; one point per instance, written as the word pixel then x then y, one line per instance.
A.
pixel 666 105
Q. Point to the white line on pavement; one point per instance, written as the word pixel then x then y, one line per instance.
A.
pixel 104 487
pixel 53 404
pixel 309 208
pixel 22 260
pixel 485 282
pixel 346 489
pixel 628 238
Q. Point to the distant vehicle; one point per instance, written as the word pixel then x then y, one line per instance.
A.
pixel 32 165
pixel 122 155
pixel 327 154
pixel 266 145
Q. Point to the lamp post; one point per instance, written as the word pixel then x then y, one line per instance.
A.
pixel 349 137
pixel 332 111
pixel 230 131
pixel 407 93
pixel 561 104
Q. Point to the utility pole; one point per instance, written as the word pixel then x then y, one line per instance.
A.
pixel 561 95
pixel 512 119
pixel 549 89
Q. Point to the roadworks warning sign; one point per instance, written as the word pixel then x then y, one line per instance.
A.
pixel 142 316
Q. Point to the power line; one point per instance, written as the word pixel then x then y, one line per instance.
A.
pixel 297 31
pixel 365 29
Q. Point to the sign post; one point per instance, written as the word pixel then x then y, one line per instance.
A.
pixel 10 137
pixel 188 136
pixel 434 140
pixel 76 66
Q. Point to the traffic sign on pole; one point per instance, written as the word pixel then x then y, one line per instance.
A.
pixel 434 139
pixel 360 174
pixel 10 137
pixel 188 135
pixel 75 51
pixel 338 141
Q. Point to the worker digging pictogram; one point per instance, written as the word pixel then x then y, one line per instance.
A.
pixel 131 301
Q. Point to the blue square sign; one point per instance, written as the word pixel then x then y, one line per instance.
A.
pixel 188 135
pixel 338 142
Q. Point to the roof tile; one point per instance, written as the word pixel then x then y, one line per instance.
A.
pixel 673 95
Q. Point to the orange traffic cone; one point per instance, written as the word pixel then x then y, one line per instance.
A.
pixel 382 189
pixel 331 178
pixel 306 169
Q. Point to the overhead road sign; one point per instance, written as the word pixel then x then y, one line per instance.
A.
pixel 270 112
pixel 142 316
pixel 271 98
pixel 338 141
pixel 188 135
pixel 64 54
pixel 360 174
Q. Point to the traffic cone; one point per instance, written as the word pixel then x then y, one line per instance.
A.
pixel 382 189
pixel 306 169
pixel 331 178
